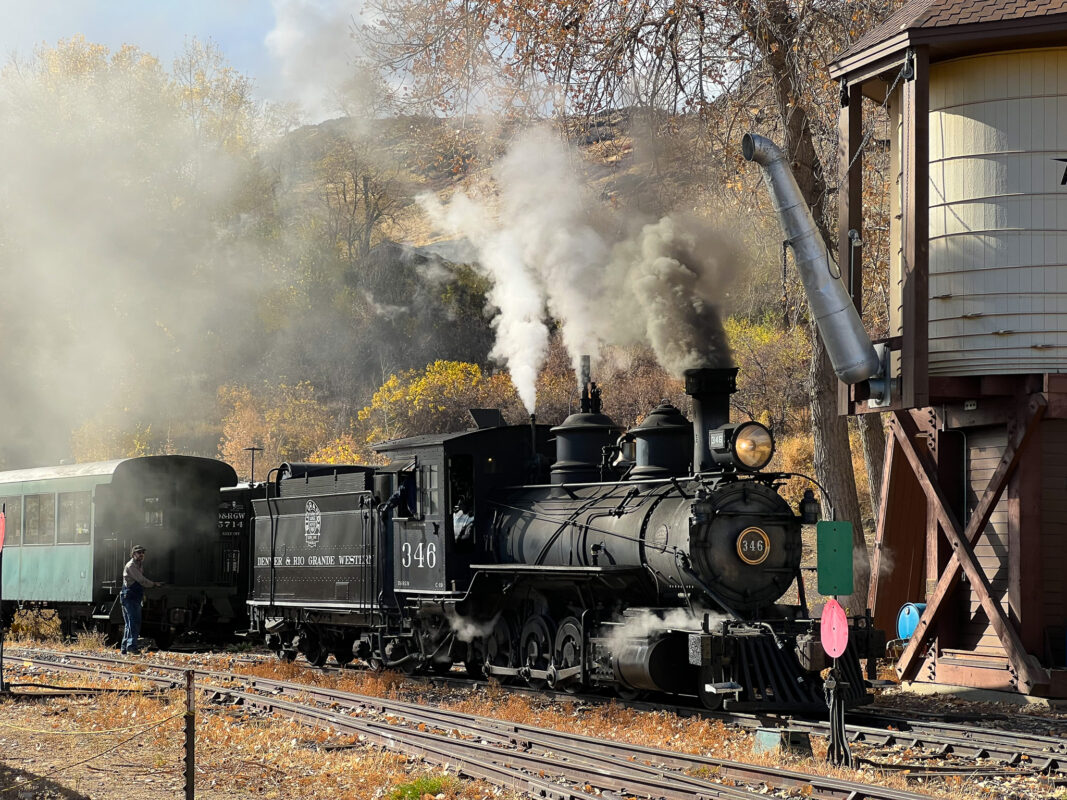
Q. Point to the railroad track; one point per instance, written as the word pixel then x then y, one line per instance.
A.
pixel 542 762
pixel 1044 754
pixel 934 736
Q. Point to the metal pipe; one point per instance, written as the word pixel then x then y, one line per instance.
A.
pixel 853 356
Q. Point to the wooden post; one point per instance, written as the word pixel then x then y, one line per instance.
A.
pixel 850 206
pixel 189 758
pixel 916 230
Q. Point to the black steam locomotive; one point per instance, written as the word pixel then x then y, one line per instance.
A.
pixel 579 556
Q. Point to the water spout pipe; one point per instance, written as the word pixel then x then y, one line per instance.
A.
pixel 853 356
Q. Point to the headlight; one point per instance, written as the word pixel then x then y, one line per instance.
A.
pixel 753 445
pixel 747 446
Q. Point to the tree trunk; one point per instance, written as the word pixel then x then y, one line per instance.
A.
pixel 872 437
pixel 833 467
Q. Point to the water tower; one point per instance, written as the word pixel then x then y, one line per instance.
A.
pixel 973 513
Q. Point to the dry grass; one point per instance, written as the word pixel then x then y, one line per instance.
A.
pixel 660 730
pixel 36 625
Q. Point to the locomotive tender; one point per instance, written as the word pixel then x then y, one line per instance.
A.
pixel 552 558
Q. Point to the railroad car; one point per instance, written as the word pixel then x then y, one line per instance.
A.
pixel 69 530
pixel 581 556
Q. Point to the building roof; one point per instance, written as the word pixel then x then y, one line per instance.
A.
pixel 937 21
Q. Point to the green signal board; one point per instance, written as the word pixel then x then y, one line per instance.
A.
pixel 834 558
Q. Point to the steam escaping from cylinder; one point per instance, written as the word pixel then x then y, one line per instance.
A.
pixel 645 623
pixel 549 247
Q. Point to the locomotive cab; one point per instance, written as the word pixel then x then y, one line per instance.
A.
pixel 440 521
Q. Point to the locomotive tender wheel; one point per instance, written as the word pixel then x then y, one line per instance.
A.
pixel 535 647
pixel 286 655
pixel 568 650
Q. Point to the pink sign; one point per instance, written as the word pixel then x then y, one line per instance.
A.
pixel 834 629
pixel 3 528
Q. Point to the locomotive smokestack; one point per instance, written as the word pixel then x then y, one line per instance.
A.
pixel 710 389
pixel 847 343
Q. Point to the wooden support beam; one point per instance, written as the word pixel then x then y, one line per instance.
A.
pixel 850 206
pixel 1030 673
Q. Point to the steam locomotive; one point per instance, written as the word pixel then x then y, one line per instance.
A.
pixel 580 556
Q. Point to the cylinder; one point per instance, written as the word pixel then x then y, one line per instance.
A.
pixel 659 665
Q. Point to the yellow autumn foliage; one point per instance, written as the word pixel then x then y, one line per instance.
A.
pixel 433 400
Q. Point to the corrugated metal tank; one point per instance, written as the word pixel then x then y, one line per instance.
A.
pixel 998 214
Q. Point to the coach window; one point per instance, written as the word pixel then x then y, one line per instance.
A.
pixel 74 517
pixel 231 565
pixel 13 525
pixel 153 512
pixel 40 519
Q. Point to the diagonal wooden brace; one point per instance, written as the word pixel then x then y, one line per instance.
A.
pixel 1030 673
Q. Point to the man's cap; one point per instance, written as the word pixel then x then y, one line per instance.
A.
pixel 137 548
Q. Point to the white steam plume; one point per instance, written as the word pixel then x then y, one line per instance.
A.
pixel 551 244
pixel 521 333
pixel 646 623
pixel 313 46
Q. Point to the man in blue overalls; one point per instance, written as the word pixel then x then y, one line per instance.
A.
pixel 133 586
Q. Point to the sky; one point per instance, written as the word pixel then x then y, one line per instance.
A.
pixel 294 50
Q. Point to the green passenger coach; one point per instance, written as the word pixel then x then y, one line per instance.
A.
pixel 70 529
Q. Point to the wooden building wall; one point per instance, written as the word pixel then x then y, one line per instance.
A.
pixel 985 448
pixel 1048 571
